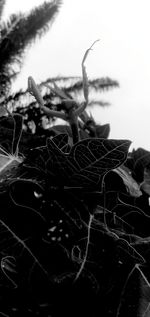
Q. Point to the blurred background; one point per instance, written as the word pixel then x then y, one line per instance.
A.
pixel 122 54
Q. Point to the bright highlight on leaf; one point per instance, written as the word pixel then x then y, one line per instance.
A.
pixel 131 185
pixel 12 159
pixel 145 185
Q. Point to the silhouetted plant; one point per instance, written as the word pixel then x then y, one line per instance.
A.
pixel 17 34
pixel 74 218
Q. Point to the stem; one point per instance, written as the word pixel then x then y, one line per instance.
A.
pixel 104 205
pixel 74 127
pixel 80 109
pixel 86 250
pixel 53 113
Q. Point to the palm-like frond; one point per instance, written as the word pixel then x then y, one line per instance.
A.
pixel 76 83
pixel 18 33
pixel 101 103
pixel 72 86
pixel 98 84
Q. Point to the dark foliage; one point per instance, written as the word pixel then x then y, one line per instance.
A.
pixel 73 234
pixel 35 121
pixel 74 216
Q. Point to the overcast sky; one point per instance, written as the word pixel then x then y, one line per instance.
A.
pixel 123 53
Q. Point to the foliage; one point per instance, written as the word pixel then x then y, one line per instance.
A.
pixel 35 121
pixel 17 34
pixel 74 220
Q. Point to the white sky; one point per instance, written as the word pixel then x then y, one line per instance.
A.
pixel 123 53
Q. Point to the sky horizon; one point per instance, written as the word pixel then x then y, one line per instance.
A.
pixel 121 54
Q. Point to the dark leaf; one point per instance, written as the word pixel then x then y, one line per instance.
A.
pixel 102 131
pixel 138 160
pixel 8 267
pixel 11 243
pixel 141 158
pixel 59 128
pixel 145 185
pixel 3 111
pixel 134 300
pixel 18 125
pixel 9 154
pixel 58 161
pixel 89 160
pixel 61 140
pixel 83 134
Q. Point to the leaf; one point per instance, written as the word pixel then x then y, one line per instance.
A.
pixel 58 162
pixel 88 161
pixel 59 128
pixel 145 185
pixel 134 299
pixel 18 126
pixel 141 158
pixel 63 129
pixel 124 247
pixel 8 267
pixel 3 111
pixel 9 160
pixel 33 191
pixel 95 157
pixel 83 134
pixel 102 131
pixel 131 185
pixel 11 243
pixel 138 160
pixel 61 140
pixel 144 303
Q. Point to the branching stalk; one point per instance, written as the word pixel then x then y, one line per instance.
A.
pixel 72 110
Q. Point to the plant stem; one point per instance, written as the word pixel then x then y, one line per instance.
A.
pixel 73 121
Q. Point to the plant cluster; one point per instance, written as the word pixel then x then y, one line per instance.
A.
pixel 74 219
pixel 17 34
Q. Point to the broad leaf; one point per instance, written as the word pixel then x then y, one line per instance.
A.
pixel 138 160
pixel 58 162
pixel 134 299
pixel 141 158
pixel 88 161
pixel 102 131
